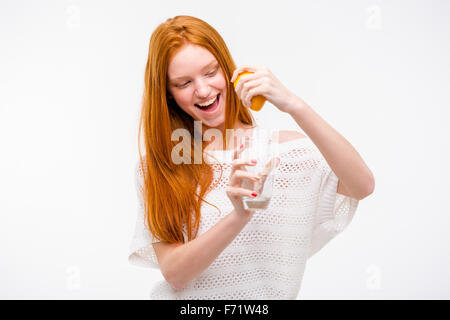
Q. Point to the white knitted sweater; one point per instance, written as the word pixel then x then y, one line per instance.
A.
pixel 267 259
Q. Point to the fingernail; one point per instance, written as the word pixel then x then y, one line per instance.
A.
pixel 242 146
pixel 253 161
pixel 254 194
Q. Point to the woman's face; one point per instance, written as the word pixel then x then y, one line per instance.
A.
pixel 195 79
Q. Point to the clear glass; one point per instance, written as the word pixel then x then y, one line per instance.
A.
pixel 264 148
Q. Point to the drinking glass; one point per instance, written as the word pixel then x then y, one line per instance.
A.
pixel 263 147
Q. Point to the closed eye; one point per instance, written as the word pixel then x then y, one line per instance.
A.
pixel 212 72
pixel 183 84
pixel 208 74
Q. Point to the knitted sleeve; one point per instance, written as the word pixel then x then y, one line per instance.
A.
pixel 334 211
pixel 141 249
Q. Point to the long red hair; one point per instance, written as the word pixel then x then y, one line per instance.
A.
pixel 173 193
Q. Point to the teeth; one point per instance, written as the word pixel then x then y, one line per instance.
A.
pixel 208 102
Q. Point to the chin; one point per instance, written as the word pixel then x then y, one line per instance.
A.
pixel 214 125
pixel 218 122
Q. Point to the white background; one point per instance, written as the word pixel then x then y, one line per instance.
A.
pixel 71 80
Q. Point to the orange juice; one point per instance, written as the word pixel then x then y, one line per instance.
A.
pixel 257 101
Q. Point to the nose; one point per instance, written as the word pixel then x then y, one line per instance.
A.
pixel 202 89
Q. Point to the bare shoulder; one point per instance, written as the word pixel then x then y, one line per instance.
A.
pixel 288 135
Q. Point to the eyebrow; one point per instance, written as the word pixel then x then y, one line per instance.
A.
pixel 213 62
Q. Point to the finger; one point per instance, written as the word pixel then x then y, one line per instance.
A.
pixel 248 68
pixel 236 154
pixel 249 82
pixel 239 175
pixel 242 81
pixel 238 151
pixel 240 192
pixel 238 163
pixel 251 89
pixel 241 69
pixel 240 147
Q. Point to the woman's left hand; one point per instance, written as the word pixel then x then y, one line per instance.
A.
pixel 262 82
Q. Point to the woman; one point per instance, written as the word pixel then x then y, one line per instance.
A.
pixel 192 224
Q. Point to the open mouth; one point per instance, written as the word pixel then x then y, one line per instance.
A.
pixel 212 106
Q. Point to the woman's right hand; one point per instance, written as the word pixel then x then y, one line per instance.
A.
pixel 234 190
